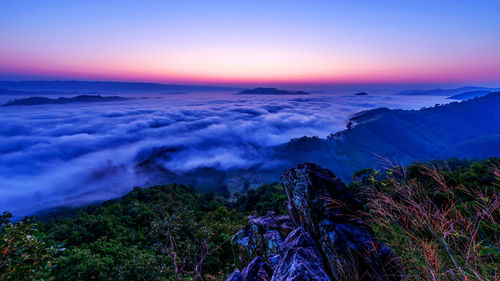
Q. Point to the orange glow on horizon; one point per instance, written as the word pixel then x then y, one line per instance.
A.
pixel 248 66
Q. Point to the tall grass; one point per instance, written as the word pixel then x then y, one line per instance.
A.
pixel 441 228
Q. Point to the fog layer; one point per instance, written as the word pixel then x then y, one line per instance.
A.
pixel 65 155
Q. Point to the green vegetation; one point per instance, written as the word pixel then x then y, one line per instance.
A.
pixel 166 232
pixel 158 233
pixel 266 198
pixel 440 218
pixel 24 255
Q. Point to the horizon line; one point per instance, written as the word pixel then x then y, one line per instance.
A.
pixel 257 83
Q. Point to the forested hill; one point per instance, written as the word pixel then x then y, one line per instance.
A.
pixel 459 129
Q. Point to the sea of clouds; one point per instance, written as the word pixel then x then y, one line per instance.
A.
pixel 65 155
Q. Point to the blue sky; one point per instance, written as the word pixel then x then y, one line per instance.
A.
pixel 251 41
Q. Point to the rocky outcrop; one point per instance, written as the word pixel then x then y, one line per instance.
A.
pixel 301 259
pixel 330 241
pixel 315 194
pixel 262 236
pixel 257 270
pixel 321 204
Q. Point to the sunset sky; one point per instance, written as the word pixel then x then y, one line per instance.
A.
pixel 233 42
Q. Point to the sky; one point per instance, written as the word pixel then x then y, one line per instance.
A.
pixel 238 42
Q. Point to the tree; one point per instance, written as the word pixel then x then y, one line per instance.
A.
pixel 24 254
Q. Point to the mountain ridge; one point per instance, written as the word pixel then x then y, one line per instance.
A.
pixel 448 92
pixel 270 91
pixel 437 132
pixel 106 86
pixel 63 100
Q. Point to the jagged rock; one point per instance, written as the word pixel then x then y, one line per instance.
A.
pixel 257 270
pixel 271 221
pixel 310 189
pixel 347 245
pixel 301 259
pixel 234 276
pixel 274 260
pixel 261 237
pixel 273 241
pixel 330 241
pixel 245 245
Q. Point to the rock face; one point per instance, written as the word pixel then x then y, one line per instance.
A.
pixel 315 194
pixel 330 241
pixel 301 259
pixel 321 204
pixel 262 236
pixel 257 270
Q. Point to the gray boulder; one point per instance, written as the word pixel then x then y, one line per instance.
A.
pixel 322 205
pixel 262 236
pixel 315 194
pixel 301 259
pixel 257 270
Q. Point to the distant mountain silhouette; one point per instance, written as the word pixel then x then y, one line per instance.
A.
pixel 470 95
pixel 271 91
pixel 106 87
pixel 6 92
pixel 447 92
pixel 361 94
pixel 61 100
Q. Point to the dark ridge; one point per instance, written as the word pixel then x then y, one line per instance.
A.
pixel 464 129
pixel 8 92
pixel 469 95
pixel 62 100
pixel 446 92
pixel 361 94
pixel 271 91
pixel 367 114
pixel 107 87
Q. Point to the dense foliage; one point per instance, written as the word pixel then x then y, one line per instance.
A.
pixel 266 198
pixel 157 233
pixel 168 232
pixel 24 255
